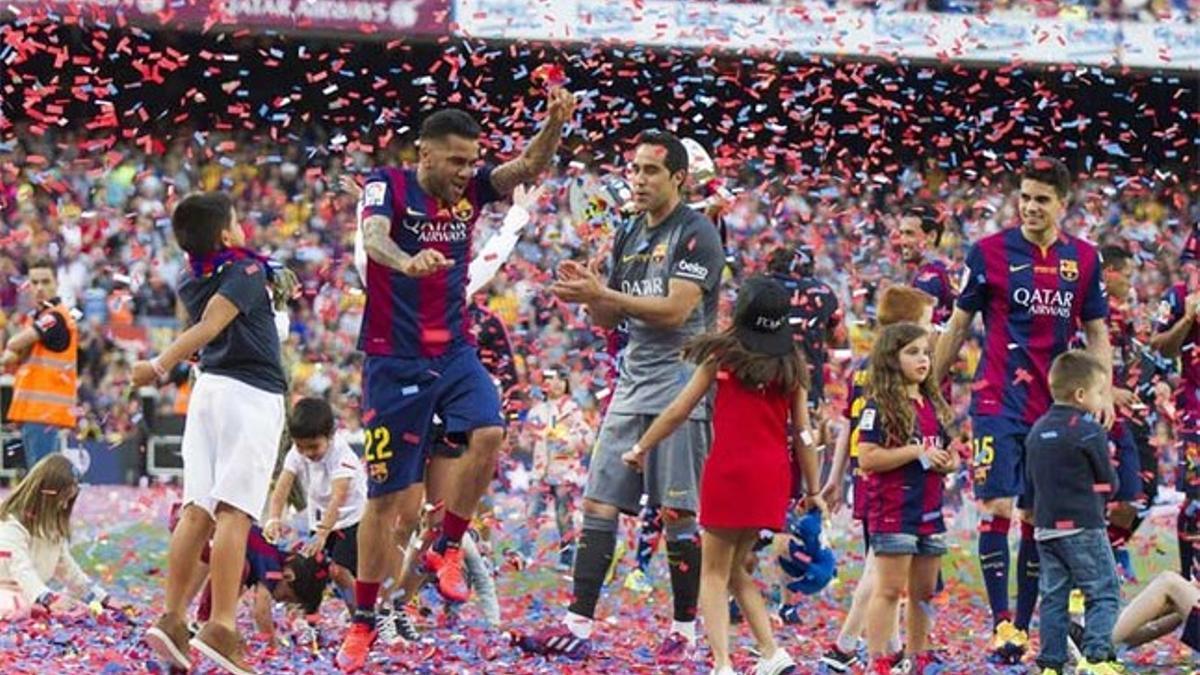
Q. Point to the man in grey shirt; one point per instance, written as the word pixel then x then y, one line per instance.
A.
pixel 666 267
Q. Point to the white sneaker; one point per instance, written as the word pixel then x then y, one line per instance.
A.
pixel 479 577
pixel 779 663
pixel 395 626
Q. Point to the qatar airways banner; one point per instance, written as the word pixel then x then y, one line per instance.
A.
pixel 846 32
pixel 389 17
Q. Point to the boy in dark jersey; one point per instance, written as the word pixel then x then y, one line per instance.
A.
pixel 235 419
pixel 1071 478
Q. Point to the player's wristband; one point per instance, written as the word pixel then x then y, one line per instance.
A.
pixel 516 218
pixel 159 371
pixel 924 460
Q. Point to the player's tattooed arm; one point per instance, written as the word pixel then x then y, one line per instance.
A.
pixel 537 155
pixel 949 344
pixel 380 247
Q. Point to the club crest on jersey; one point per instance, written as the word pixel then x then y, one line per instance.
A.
pixel 463 210
pixel 1068 270
pixel 659 252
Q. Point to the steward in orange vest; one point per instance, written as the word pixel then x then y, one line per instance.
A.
pixel 46 382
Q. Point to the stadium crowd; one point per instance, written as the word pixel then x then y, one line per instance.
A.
pixel 104 220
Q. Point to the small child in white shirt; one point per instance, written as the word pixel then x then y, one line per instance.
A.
pixel 35 540
pixel 335 483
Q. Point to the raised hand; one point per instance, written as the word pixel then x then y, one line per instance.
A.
pixel 560 105
pixel 347 184
pixel 526 198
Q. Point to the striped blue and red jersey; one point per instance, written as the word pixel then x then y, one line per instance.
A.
pixel 907 499
pixel 264 565
pixel 933 277
pixel 1122 335
pixel 1033 302
pixel 1171 311
pixel 425 317
pixel 264 561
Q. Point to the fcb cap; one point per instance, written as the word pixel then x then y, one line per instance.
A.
pixel 761 317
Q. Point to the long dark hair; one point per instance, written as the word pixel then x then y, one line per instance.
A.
pixel 888 386
pixel 788 372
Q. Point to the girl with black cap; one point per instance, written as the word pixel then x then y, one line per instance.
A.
pixel 761 394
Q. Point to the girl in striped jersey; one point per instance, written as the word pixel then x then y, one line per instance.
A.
pixel 903 449
pixel 896 304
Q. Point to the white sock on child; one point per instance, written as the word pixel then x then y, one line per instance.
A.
pixel 580 626
pixel 685 628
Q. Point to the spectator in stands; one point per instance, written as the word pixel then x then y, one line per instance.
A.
pixel 155 298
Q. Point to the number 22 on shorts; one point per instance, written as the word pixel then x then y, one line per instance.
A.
pixel 377 445
pixel 985 453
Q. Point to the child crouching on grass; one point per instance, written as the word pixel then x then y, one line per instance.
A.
pixel 35 545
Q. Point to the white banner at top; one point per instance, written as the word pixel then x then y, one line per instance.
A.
pixel 819 30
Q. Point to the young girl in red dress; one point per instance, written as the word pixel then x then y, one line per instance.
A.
pixel 760 409
pixel 902 447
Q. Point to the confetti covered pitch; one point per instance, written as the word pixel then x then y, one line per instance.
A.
pixel 121 539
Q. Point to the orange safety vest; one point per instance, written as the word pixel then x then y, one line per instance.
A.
pixel 182 395
pixel 46 383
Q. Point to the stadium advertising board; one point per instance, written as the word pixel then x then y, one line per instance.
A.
pixel 817 29
pixel 391 17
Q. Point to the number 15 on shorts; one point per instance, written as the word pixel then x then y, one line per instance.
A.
pixel 984 453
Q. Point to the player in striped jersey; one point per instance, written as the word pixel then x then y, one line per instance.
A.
pixel 1036 286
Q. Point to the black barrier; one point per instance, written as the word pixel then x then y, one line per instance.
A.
pixel 6 395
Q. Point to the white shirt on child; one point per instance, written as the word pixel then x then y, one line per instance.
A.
pixel 27 563
pixel 317 479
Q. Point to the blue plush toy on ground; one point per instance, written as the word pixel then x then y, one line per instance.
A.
pixel 808 563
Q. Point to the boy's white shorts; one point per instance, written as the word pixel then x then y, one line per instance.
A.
pixel 230 443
